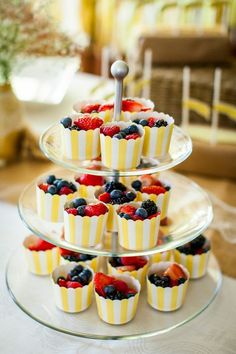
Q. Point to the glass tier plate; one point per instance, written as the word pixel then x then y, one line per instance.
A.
pixel 190 213
pixel 180 149
pixel 34 295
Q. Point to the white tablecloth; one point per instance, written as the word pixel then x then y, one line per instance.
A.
pixel 214 331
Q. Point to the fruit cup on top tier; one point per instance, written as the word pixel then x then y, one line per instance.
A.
pixel 80 136
pixel 134 266
pixel 52 193
pixel 73 287
pixel 116 297
pixel 150 187
pixel 158 131
pixel 194 256
pixel 114 194
pixel 42 256
pixel 166 286
pixel 67 256
pixel 88 184
pixel 106 109
pixel 121 145
pixel 85 222
pixel 138 225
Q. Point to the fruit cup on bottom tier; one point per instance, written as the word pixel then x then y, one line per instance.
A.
pixel 121 145
pixel 158 132
pixel 114 194
pixel 138 225
pixel 194 256
pixel 85 222
pixel 116 297
pixel 88 184
pixel 80 136
pixel 166 286
pixel 67 256
pixel 150 187
pixel 52 193
pixel 73 287
pixel 133 266
pixel 42 257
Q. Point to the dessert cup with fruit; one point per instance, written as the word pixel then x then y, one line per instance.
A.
pixel 116 297
pixel 134 266
pixel 194 256
pixel 138 225
pixel 166 286
pixel 42 257
pixel 158 132
pixel 121 145
pixel 80 136
pixel 88 184
pixel 73 286
pixel 113 194
pixel 85 221
pixel 51 195
pixel 67 256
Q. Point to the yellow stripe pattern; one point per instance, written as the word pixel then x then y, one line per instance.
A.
pixel 202 108
pixel 42 262
pixel 157 141
pixel 162 201
pixel 227 109
pixel 86 191
pixel 195 264
pixel 112 218
pixel 161 257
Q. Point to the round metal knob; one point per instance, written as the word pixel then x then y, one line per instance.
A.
pixel 119 69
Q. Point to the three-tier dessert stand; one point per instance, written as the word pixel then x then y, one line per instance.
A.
pixel 190 214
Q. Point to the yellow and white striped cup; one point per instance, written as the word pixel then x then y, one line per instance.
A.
pixel 84 231
pixel 121 153
pixel 93 263
pixel 160 257
pixel 196 264
pixel 140 234
pixel 139 274
pixel 156 140
pixel 119 311
pixel 40 262
pixel 85 191
pixel 165 299
pixel 71 300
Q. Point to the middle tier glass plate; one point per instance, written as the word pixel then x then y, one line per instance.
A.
pixel 190 213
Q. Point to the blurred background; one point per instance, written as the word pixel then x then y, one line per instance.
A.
pixel 182 55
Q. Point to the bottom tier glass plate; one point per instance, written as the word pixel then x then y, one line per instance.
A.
pixel 34 295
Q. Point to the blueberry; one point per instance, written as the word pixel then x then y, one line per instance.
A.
pixel 127 216
pixel 186 249
pixel 122 134
pixel 110 186
pixel 136 121
pixel 163 281
pixel 133 129
pixel 118 136
pixel 115 262
pixel 52 189
pixel 57 180
pixel 50 179
pixel 66 122
pixel 142 212
pixel 143 122
pixel 83 257
pixel 126 131
pixel 81 210
pixel 119 296
pixel 160 123
pixel 85 276
pixel 121 215
pixel 72 186
pixel 116 193
pixel 198 242
pixel 76 278
pixel 121 200
pixel 137 185
pixel 130 295
pixel 130 195
pixel 154 278
pixel 79 268
pixel 63 183
pixel 109 291
pixel 181 281
pixel 78 202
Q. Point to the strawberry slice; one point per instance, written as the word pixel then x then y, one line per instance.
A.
pixel 131 291
pixel 175 272
pixel 72 211
pixel 153 190
pixel 120 285
pixel 90 180
pixel 100 281
pixel 128 268
pixel 62 282
pixel 132 136
pixel 132 106
pixel 104 197
pixel 41 245
pixel 147 180
pixel 65 191
pixel 127 209
pixel 44 187
pixel 153 215
pixel 74 284
pixel 106 107
pixel 110 131
pixel 138 261
pixel 90 107
pixel 95 209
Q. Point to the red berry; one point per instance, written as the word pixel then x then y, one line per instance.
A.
pixel 74 284
pixel 95 209
pixel 104 197
pixel 64 252
pixel 158 183
pixel 147 180
pixel 128 209
pixel 138 261
pixel 90 180
pixel 120 285
pixel 151 122
pixel 44 187
pixel 72 211
pixel 41 245
pixel 153 190
pixel 175 272
pixel 132 136
pixel 137 217
pixel 86 122
pixel 100 281
pixel 131 106
pixel 153 215
pixel 65 190
pixel 89 108
pixel 62 282
pixel 110 131
pixel 106 107
pixel 131 291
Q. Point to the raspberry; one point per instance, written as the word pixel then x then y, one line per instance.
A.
pixel 44 187
pixel 90 180
pixel 89 108
pixel 74 284
pixel 120 285
pixel 95 209
pixel 132 136
pixel 128 209
pixel 153 190
pixel 88 123
pixel 110 131
pixel 72 211
pixel 104 197
pixel 106 107
pixel 65 190
pixel 151 122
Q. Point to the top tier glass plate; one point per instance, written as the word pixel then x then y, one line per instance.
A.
pixel 180 149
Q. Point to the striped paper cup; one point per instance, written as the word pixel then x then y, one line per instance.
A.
pixel 121 153
pixel 92 263
pixel 160 257
pixel 119 311
pixel 85 191
pixel 156 140
pixel 140 234
pixel 71 300
pixel 139 274
pixel 165 299
pixel 84 231
pixel 80 145
pixel 196 264
pixel 40 262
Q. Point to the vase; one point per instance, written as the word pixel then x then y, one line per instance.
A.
pixel 11 125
